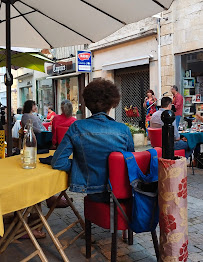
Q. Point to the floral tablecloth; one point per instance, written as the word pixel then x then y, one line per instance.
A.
pixel 173 210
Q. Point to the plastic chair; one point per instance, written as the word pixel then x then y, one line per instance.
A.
pixel 99 213
pixel 155 136
pixel 60 132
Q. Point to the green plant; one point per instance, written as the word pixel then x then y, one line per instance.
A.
pixel 135 129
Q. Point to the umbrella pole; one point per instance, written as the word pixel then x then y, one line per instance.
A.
pixel 8 77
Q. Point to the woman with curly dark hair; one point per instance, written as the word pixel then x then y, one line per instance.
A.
pixel 91 141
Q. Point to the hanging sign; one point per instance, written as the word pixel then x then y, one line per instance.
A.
pixel 84 61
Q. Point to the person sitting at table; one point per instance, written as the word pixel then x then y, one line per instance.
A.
pixel 91 141
pixel 64 120
pixel 19 114
pixel 156 122
pixel 41 118
pixel 28 109
pixel 51 114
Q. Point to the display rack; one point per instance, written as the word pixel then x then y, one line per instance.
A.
pixel 193 96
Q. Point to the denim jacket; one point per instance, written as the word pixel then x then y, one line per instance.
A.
pixel 91 141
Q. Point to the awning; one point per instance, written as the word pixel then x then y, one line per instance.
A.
pixel 63 76
pixel 24 75
pixel 128 63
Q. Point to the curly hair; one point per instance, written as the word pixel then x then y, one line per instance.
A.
pixel 27 107
pixel 101 95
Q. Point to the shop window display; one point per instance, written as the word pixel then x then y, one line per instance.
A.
pixel 68 89
pixel 44 96
pixel 192 83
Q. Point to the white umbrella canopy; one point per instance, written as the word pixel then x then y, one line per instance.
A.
pixel 58 23
pixel 51 23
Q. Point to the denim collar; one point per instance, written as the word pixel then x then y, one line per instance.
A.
pixel 101 115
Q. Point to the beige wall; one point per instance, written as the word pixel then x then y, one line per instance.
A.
pixel 126 51
pixel 181 32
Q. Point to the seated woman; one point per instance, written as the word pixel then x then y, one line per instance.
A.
pixel 51 114
pixel 65 119
pixel 28 109
pixel 91 141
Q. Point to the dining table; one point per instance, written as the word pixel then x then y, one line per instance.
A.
pixel 20 191
pixel 193 138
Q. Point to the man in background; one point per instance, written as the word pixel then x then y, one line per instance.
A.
pixel 178 103
pixel 156 122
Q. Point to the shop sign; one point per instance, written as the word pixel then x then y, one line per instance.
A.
pixel 61 68
pixel 84 61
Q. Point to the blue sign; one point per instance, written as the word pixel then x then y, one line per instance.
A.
pixel 84 61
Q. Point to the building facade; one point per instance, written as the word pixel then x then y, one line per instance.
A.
pixel 129 58
pixel 182 52
pixel 155 53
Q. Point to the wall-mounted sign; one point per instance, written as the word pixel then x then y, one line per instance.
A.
pixel 83 61
pixel 61 68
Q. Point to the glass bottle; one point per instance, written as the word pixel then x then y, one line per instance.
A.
pixel 29 158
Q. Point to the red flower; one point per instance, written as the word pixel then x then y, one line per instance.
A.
pixel 183 252
pixel 183 188
pixel 132 111
pixel 167 222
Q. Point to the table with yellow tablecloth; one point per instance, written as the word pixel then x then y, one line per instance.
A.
pixel 21 188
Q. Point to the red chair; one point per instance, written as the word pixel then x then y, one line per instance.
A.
pixel 99 213
pixel 155 136
pixel 46 125
pixel 60 132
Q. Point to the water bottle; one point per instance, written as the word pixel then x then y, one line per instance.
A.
pixel 29 158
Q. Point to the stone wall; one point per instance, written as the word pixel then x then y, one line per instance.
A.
pixel 181 31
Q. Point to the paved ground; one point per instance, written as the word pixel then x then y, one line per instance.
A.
pixel 142 250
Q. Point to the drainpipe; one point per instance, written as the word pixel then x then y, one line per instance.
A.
pixel 159 56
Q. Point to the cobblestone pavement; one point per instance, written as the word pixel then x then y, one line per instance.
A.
pixel 142 249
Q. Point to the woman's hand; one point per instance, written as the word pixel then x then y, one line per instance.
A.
pixel 145 100
pixel 184 139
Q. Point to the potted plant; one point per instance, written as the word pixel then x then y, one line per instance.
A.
pixel 139 135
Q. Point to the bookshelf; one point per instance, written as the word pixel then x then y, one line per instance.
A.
pixel 193 96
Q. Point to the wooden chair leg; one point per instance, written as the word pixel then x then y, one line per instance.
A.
pixel 114 236
pixel 130 237
pixel 88 237
pixel 156 244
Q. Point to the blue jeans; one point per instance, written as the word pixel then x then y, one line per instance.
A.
pixel 178 120
pixel 183 145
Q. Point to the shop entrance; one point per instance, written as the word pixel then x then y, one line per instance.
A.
pixel 133 83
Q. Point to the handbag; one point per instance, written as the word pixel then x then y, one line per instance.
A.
pixel 145 211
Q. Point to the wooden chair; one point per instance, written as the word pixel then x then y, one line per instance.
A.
pixel 99 213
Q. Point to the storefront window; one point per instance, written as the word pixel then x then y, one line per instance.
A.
pixel 25 94
pixel 189 79
pixel 45 96
pixel 68 89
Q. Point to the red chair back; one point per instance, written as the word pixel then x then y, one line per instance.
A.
pixel 46 125
pixel 60 132
pixel 155 136
pixel 118 174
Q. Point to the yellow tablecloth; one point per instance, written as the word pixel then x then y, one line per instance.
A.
pixel 21 188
